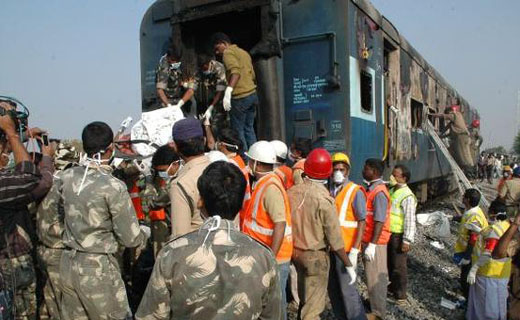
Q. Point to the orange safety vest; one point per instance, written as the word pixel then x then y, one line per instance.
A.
pixel 136 200
pixel 369 229
pixel 300 165
pixel 345 210
pixel 239 162
pixel 286 174
pixel 259 225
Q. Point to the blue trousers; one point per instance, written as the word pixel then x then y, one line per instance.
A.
pixel 242 118
pixel 283 270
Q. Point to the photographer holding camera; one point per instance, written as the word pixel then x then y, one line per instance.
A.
pixel 19 186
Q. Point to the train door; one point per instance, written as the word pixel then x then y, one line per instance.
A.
pixel 390 82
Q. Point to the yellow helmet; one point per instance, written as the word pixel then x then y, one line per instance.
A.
pixel 507 168
pixel 340 157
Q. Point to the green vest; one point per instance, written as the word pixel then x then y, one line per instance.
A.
pixel 396 213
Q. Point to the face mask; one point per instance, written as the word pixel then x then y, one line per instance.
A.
pixel 175 65
pixel 292 157
pixel 338 177
pixel 163 175
pixel 392 182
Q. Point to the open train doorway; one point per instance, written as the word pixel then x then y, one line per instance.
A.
pixel 250 24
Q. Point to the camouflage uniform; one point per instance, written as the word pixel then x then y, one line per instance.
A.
pixel 97 221
pixel 208 86
pixel 172 81
pixel 156 196
pixel 50 228
pixel 216 272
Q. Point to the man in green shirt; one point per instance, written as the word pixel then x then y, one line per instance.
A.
pixel 240 97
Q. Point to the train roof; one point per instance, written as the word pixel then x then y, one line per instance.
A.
pixel 393 33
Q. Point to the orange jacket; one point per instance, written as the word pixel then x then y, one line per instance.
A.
pixel 239 162
pixel 369 229
pixel 345 210
pixel 286 175
pixel 136 200
pixel 259 225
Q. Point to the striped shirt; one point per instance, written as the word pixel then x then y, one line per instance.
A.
pixel 409 206
pixel 16 185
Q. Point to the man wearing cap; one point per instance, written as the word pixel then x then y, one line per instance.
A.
pixel 316 230
pixel 350 200
pixel 510 193
pixel 188 142
pixel 268 217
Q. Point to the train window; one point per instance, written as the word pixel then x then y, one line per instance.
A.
pixel 366 91
pixel 417 113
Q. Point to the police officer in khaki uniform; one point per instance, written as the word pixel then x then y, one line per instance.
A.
pixel 99 218
pixel 510 193
pixel 316 230
pixel 189 143
pixel 215 272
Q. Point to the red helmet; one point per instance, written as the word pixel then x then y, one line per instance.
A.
pixel 476 123
pixel 318 164
pixel 455 108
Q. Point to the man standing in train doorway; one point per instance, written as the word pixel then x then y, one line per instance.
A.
pixel 459 136
pixel 240 98
pixel 174 87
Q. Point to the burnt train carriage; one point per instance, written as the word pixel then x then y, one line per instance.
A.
pixel 328 70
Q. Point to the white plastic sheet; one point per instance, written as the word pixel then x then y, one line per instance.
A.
pixel 155 126
pixel 438 219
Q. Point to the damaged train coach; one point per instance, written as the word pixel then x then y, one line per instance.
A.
pixel 334 71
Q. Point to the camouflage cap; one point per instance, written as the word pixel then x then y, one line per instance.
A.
pixel 65 155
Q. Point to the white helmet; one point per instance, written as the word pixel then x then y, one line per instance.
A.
pixel 280 148
pixel 262 151
pixel 215 155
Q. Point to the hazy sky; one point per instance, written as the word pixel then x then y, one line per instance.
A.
pixel 74 61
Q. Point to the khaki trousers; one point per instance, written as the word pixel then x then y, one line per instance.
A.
pixel 313 273
pixel 50 263
pixel 376 272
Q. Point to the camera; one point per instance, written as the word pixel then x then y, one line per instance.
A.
pixel 20 117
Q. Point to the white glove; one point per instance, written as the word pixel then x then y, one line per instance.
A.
pixel 146 231
pixel 352 273
pixel 227 98
pixel 207 116
pixel 472 275
pixel 370 252
pixel 464 262
pixel 473 227
pixel 179 104
pixel 170 105
pixel 353 256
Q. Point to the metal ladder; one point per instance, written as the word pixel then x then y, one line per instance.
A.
pixel 462 181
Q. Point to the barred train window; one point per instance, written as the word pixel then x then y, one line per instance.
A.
pixel 366 91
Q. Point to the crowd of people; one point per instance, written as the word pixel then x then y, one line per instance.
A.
pixel 223 226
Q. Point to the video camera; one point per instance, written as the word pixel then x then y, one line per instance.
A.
pixel 19 113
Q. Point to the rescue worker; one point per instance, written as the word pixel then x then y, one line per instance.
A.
pixel 215 272
pixel 509 247
pixel 166 163
pixel 488 277
pixel 476 140
pixel 472 222
pixel 351 208
pixel 507 174
pixel 211 83
pixel 282 170
pixel 341 166
pixel 189 143
pixel 299 150
pixel 459 136
pixel 376 237
pixel 50 228
pixel 268 217
pixel 19 186
pixel 240 98
pixel 98 218
pixel 402 227
pixel 316 232
pixel 510 193
pixel 174 83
